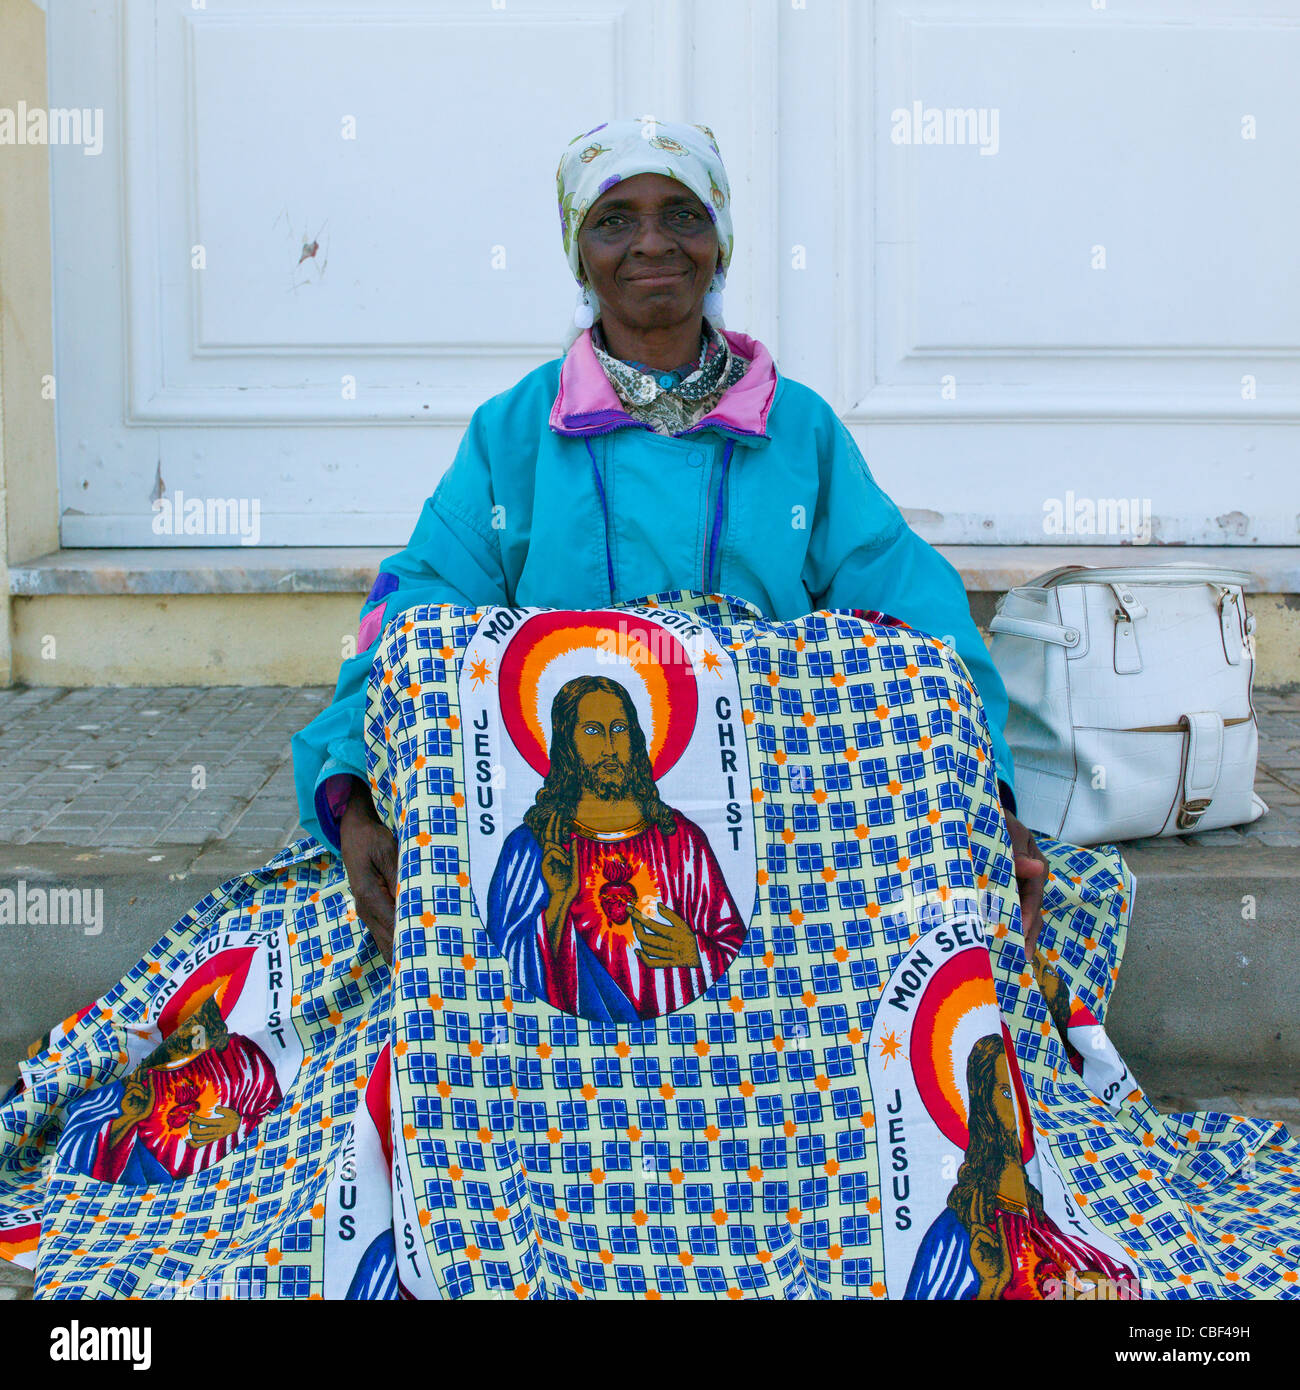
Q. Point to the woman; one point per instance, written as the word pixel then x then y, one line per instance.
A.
pixel 625 1050
pixel 662 452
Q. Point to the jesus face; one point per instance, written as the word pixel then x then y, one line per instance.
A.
pixel 1005 1106
pixel 602 739
pixel 202 1029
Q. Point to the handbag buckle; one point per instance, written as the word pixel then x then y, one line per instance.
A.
pixel 1190 812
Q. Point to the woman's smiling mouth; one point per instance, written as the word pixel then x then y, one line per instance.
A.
pixel 666 277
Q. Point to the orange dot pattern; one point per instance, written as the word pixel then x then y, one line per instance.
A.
pixel 732 1150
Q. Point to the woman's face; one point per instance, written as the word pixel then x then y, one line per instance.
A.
pixel 649 251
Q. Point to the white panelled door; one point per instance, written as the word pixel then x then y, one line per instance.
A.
pixel 1040 256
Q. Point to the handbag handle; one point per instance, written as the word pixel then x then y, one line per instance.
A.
pixel 1175 572
pixel 1034 629
pixel 1053 577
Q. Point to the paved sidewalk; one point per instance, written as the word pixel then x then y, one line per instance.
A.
pixel 141 768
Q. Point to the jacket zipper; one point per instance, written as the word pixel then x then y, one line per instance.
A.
pixel 716 509
pixel 606 429
pixel 709 507
pixel 708 527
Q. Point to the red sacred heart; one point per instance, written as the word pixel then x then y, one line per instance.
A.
pixel 617 893
pixel 186 1102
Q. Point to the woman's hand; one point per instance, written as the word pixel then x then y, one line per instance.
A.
pixel 369 851
pixel 1031 878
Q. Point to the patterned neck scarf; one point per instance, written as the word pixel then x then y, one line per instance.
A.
pixel 673 401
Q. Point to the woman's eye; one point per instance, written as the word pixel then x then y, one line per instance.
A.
pixel 614 221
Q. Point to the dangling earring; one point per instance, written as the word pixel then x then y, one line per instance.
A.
pixel 585 314
pixel 713 300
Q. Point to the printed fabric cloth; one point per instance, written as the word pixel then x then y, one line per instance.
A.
pixel 709 982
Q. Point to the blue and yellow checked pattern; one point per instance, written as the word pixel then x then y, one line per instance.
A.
pixel 729 1150
pixel 250 1226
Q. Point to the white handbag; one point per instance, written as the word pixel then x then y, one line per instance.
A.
pixel 1131 710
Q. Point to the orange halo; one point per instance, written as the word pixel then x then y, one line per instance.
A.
pixel 626 641
pixel 960 987
pixel 223 977
pixel 969 995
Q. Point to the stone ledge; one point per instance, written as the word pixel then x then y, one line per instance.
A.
pixel 207 570
pixel 351 570
pixel 996 568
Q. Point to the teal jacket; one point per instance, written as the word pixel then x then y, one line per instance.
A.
pixel 558 498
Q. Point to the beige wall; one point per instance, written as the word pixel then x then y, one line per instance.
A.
pixel 28 484
pixel 298 639
pixel 204 639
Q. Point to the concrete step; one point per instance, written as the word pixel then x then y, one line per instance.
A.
pixel 48 972
pixel 1211 974
pixel 15 1284
pixel 1265 1095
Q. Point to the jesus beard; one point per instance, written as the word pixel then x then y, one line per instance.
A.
pixel 606 782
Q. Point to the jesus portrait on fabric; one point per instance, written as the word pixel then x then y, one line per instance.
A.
pixel 196 1097
pixel 994 1239
pixel 606 902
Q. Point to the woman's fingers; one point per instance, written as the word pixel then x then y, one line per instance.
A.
pixel 376 910
pixel 377 914
pixel 1031 878
pixel 1031 867
pixel 370 858
pixel 384 856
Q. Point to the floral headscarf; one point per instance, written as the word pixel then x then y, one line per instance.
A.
pixel 600 158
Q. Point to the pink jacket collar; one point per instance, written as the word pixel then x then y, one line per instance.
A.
pixel 587 403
